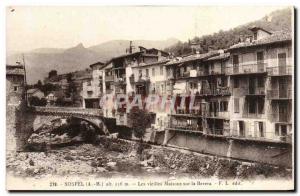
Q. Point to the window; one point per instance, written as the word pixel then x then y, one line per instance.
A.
pixel 236 105
pixel 283 130
pixel 223 106
pixel 153 71
pixel 169 72
pixel 184 69
pixel 161 70
pixel 235 59
pixel 277 130
pixel 236 83
pixel 15 88
pixel 261 106
pixel 280 130
pixel 260 82
pixel 282 59
pixel 255 35
pixel 260 56
pixel 261 129
pixel 242 128
pixel 140 73
pixel 252 106
pixel 147 72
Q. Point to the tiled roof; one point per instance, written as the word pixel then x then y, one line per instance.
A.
pixel 279 36
pixel 149 64
pixel 194 57
pixel 97 63
pixel 15 70
pixel 31 91
pixel 221 56
pixel 126 55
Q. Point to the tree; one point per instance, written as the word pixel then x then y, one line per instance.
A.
pixel 139 121
pixel 52 73
pixel 35 101
pixel 38 85
pixel 47 88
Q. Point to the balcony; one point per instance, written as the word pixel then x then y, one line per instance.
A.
pixel 279 94
pixel 120 80
pixel 280 118
pixel 265 136
pixel 280 70
pixel 184 125
pixel 170 77
pixel 219 115
pixel 241 69
pixel 217 131
pixel 252 115
pixel 131 79
pixel 109 78
pixel 220 91
pixel 255 91
pixel 109 91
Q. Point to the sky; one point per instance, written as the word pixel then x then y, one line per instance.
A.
pixel 32 27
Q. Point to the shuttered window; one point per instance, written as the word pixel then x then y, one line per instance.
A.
pixel 236 105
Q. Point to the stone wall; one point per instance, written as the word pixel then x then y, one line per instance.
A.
pixel 264 152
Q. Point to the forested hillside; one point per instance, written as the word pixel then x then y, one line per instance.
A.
pixel 276 21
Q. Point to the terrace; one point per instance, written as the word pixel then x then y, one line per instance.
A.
pixel 280 70
pixel 252 68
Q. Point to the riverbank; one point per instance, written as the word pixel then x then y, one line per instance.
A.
pixel 120 158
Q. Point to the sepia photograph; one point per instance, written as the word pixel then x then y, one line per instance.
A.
pixel 150 98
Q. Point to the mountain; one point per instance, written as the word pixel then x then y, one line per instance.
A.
pixel 41 60
pixel 118 47
pixel 276 21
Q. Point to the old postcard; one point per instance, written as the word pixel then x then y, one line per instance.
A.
pixel 150 98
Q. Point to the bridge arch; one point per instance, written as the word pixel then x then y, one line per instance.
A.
pixel 44 119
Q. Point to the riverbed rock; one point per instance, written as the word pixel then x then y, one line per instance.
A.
pixel 111 164
pixel 31 162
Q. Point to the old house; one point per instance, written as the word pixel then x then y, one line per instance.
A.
pixel 126 74
pixel 35 93
pixel 15 105
pixel 261 70
pixel 93 87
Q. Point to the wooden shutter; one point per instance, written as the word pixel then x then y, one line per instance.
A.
pixel 236 105
pixel 255 128
pixel 234 130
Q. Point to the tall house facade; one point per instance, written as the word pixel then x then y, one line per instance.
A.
pixel 93 87
pixel 203 76
pixel 15 105
pixel 261 70
pixel 130 75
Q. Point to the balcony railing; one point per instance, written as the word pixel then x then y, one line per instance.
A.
pixel 217 131
pixel 215 114
pixel 282 118
pixel 246 68
pixel 215 92
pixel 279 94
pixel 280 70
pixel 185 127
pixel 109 91
pixel 109 78
pixel 255 91
pixel 266 136
pixel 120 79
pixel 252 115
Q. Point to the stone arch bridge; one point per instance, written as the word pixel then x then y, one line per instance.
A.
pixel 43 115
pixel 29 119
